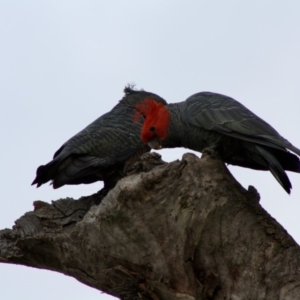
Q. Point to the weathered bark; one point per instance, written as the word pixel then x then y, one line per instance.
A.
pixel 184 230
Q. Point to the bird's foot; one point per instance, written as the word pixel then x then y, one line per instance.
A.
pixel 211 152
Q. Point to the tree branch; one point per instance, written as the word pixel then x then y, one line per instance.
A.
pixel 183 230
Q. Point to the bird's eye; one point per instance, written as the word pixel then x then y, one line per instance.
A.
pixel 152 128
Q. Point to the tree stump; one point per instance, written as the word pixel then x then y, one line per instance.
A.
pixel 182 230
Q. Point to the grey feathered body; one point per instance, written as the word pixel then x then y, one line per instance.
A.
pixel 99 151
pixel 240 137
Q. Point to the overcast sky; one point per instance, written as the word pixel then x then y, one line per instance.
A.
pixel 64 63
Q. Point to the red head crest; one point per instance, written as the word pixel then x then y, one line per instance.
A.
pixel 157 119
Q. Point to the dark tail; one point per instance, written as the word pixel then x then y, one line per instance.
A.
pixel 45 173
pixel 276 167
pixel 71 170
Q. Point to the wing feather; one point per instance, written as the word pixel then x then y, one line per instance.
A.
pixel 223 114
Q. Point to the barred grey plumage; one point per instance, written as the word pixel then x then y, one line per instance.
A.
pixel 213 120
pixel 99 151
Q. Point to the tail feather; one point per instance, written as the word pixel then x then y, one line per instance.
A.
pixel 45 173
pixel 74 169
pixel 275 168
pixel 78 169
pixel 294 149
pixel 288 160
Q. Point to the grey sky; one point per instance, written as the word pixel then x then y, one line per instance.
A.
pixel 64 63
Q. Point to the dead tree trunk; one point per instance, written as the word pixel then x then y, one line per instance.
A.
pixel 184 230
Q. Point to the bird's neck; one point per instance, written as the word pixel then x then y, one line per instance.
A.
pixel 183 134
pixel 175 135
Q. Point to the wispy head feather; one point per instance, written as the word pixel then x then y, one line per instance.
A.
pixel 131 89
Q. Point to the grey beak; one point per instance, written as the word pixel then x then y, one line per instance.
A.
pixel 155 144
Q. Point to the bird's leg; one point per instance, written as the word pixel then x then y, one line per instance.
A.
pixel 212 151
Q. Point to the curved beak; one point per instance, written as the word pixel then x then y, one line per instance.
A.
pixel 155 144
